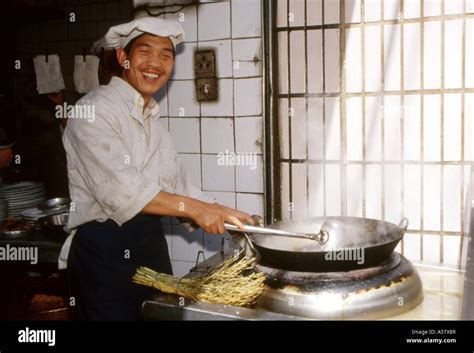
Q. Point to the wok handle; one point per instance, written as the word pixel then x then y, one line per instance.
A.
pixel 253 229
pixel 404 225
pixel 270 231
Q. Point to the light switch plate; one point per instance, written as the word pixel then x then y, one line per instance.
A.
pixel 206 89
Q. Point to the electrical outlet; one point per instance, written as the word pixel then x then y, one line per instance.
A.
pixel 204 64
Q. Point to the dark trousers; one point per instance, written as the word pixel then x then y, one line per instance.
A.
pixel 102 260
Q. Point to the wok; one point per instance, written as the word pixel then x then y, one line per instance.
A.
pixel 353 243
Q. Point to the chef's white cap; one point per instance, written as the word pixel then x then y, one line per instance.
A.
pixel 119 36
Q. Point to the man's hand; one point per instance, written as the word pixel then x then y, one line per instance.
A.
pixel 211 218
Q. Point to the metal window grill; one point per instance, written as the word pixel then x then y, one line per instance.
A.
pixel 372 117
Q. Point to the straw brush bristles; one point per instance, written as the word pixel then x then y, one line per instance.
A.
pixel 229 283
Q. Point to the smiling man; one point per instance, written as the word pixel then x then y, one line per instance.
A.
pixel 143 75
pixel 124 174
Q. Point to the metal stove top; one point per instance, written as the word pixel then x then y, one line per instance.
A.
pixel 389 289
pixel 392 288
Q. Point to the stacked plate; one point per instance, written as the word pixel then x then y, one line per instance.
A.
pixel 22 196
pixel 31 215
pixel 3 209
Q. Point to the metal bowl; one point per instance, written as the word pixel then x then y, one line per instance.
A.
pixel 55 204
pixel 53 226
pixel 16 234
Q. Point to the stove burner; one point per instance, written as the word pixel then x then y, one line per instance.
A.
pixel 283 276
pixel 390 288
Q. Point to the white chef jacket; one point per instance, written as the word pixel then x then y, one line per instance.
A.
pixel 118 158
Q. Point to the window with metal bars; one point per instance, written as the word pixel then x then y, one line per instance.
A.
pixel 373 115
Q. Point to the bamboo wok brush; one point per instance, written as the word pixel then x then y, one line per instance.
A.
pixel 233 282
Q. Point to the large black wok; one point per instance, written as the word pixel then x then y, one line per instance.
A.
pixel 354 243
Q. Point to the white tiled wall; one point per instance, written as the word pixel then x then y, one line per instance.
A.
pixel 214 21
pixel 248 97
pixel 182 99
pixel 223 50
pixel 217 135
pixel 247 56
pixel 183 68
pixel 383 127
pixel 185 132
pixel 234 123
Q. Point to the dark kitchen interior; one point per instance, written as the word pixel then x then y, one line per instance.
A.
pixel 357 116
pixel 29 118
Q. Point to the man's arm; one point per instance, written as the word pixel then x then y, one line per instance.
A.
pixel 122 191
pixel 210 217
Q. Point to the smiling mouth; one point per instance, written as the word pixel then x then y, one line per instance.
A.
pixel 151 77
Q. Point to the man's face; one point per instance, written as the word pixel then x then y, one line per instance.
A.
pixel 150 63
